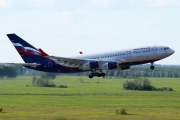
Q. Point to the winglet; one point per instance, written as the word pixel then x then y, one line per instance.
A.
pixel 43 53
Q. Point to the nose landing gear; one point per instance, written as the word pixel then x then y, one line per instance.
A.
pixel 152 66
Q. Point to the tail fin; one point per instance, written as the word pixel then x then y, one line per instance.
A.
pixel 29 53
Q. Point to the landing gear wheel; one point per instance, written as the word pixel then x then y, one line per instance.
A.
pixel 99 74
pixel 152 67
pixel 91 76
pixel 103 74
pixel 96 74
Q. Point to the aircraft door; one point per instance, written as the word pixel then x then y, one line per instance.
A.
pixel 49 63
pixel 128 53
pixel 155 50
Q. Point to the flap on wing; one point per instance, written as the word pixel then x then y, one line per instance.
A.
pixel 75 61
pixel 25 64
pixel 64 58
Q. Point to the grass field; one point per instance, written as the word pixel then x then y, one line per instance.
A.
pixel 87 99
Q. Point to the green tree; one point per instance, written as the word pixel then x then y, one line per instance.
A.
pixel 138 84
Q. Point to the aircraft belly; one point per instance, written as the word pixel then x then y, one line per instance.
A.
pixel 139 58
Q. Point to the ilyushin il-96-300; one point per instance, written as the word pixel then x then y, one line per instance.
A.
pixel 37 59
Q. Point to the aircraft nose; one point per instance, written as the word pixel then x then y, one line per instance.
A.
pixel 172 51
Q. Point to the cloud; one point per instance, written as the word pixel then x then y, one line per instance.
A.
pixel 154 3
pixel 41 3
pixel 101 4
pixel 144 21
pixel 148 23
pixel 134 19
pixel 66 17
pixel 4 3
pixel 164 3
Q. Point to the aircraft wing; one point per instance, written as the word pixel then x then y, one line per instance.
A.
pixel 64 60
pixel 70 61
pixel 74 61
pixel 25 64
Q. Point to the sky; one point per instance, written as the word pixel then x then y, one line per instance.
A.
pixel 65 27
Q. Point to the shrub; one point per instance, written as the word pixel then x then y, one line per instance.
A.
pixel 81 80
pixel 34 80
pixel 138 84
pixel 62 86
pixel 163 89
pixel 47 75
pixel 170 89
pixel 142 84
pixel 1 110
pixel 42 82
pixel 121 111
pixel 45 83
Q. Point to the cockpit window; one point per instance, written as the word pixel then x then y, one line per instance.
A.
pixel 166 48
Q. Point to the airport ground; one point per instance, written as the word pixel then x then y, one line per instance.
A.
pixel 87 99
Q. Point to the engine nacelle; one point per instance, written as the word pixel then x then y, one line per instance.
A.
pixel 90 65
pixel 110 66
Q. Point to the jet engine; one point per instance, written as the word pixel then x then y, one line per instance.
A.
pixel 90 65
pixel 110 66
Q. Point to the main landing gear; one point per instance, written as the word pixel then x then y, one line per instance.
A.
pixel 94 73
pixel 152 66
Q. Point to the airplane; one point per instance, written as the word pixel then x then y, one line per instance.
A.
pixel 37 59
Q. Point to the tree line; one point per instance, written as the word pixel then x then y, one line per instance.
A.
pixel 8 72
pixel 135 71
pixel 144 71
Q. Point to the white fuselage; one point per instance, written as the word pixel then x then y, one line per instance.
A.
pixel 133 56
pixel 37 59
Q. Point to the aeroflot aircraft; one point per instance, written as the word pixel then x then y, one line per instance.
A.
pixel 37 59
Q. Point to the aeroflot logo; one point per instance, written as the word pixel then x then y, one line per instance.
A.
pixel 28 49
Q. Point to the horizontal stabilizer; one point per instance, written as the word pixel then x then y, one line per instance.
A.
pixel 25 64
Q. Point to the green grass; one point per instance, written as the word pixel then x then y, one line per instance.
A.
pixel 87 99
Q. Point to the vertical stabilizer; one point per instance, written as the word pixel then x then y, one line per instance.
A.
pixel 29 53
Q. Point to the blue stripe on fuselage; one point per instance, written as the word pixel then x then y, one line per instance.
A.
pixel 57 68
